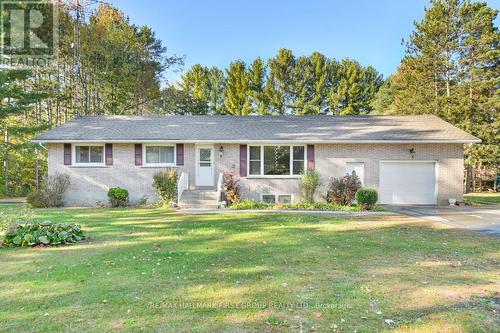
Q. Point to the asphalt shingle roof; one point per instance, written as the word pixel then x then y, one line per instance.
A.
pixel 323 128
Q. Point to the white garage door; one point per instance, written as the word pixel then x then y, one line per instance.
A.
pixel 408 182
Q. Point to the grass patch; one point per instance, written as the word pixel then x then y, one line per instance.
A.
pixel 158 270
pixel 483 198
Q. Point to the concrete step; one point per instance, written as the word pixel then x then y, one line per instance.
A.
pixel 200 207
pixel 204 195
pixel 199 199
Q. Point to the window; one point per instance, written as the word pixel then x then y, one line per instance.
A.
pixel 358 168
pixel 89 154
pixel 276 160
pixel 254 160
pixel 298 159
pixel 160 155
pixel 274 198
pixel 285 198
pixel 269 198
pixel 205 156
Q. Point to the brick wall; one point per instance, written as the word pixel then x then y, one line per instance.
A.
pixel 90 185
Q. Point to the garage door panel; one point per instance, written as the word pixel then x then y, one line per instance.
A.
pixel 407 182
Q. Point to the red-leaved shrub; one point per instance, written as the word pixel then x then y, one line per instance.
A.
pixel 343 190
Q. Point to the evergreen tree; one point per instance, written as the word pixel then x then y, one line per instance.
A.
pixel 16 98
pixel 384 98
pixel 216 86
pixel 355 89
pixel 280 82
pixel 451 70
pixel 311 79
pixel 256 78
pixel 195 81
pixel 237 99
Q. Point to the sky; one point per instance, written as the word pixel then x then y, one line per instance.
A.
pixel 216 32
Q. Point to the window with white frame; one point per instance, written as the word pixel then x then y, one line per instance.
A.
pixel 285 198
pixel 159 154
pixel 269 198
pixel 269 160
pixel 89 154
pixel 358 168
pixel 276 198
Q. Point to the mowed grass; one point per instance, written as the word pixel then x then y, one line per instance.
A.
pixel 154 270
pixel 485 198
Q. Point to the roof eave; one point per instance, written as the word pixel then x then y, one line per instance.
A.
pixel 462 141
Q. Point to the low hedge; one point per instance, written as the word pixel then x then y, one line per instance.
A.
pixel 259 205
pixel 118 197
pixel 367 198
pixel 42 233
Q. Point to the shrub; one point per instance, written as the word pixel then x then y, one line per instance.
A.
pixel 259 205
pixel 343 190
pixel 308 185
pixel 51 191
pixel 165 184
pixel 367 198
pixel 42 233
pixel 36 199
pixel 231 188
pixel 250 204
pixel 143 200
pixel 118 197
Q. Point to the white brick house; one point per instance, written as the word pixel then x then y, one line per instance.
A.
pixel 408 159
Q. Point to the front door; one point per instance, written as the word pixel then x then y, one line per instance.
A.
pixel 204 166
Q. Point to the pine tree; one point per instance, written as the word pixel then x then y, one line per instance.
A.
pixel 280 82
pixel 196 82
pixel 354 89
pixel 451 70
pixel 237 97
pixel 16 98
pixel 216 90
pixel 383 101
pixel 310 84
pixel 256 77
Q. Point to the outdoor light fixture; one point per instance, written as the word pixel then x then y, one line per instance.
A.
pixel 221 151
pixel 412 152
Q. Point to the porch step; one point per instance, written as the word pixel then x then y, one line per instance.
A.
pixel 199 199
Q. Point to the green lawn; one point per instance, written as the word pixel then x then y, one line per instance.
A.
pixel 488 198
pixel 157 270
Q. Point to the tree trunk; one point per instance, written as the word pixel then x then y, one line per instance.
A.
pixel 6 163
pixel 447 74
pixel 468 179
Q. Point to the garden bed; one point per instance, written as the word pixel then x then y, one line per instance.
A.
pixel 302 206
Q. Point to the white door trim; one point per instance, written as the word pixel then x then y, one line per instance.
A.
pixel 197 176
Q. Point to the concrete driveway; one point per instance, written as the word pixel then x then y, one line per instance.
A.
pixel 484 219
